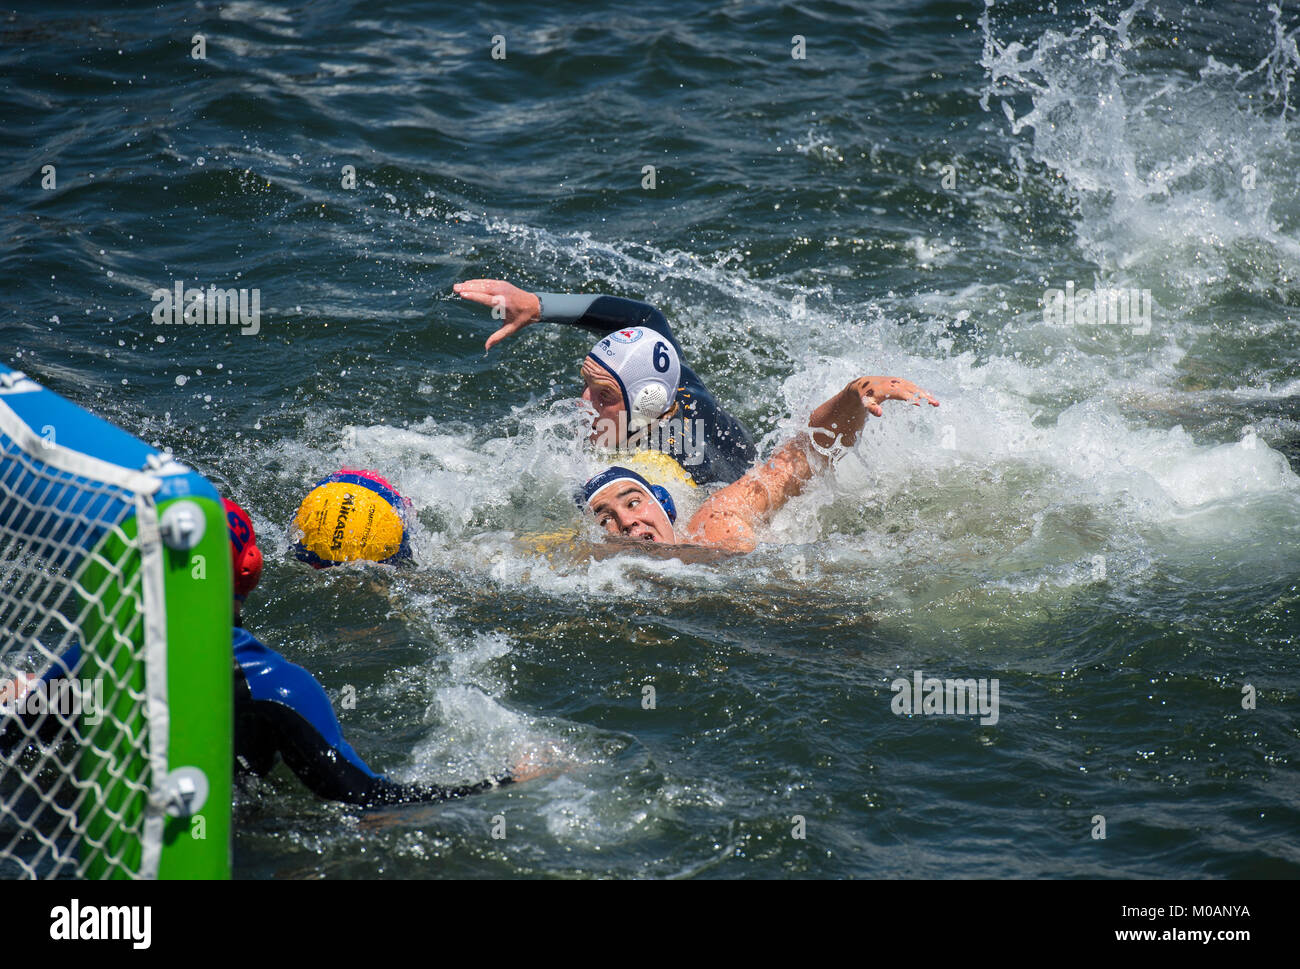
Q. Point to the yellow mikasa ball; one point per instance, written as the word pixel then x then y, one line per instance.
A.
pixel 343 521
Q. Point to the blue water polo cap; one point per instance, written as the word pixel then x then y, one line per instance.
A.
pixel 609 476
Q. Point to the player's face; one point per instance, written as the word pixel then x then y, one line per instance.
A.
pixel 604 396
pixel 625 509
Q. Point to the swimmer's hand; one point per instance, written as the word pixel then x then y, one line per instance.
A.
pixel 517 307
pixel 843 415
pixel 874 391
pixel 536 763
pixel 526 769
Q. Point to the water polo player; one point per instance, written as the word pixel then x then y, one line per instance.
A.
pixel 645 397
pixel 280 710
pixel 625 504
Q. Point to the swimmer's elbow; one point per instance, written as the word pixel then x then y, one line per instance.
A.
pixel 723 530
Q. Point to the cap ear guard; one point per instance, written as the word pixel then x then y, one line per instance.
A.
pixel 246 557
pixel 248 570
pixel 666 500
pixel 651 401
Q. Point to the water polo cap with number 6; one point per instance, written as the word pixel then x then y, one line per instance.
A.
pixel 646 368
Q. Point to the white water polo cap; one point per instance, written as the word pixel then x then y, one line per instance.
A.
pixel 645 367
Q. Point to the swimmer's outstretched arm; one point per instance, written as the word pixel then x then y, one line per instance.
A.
pixel 728 519
pixel 599 315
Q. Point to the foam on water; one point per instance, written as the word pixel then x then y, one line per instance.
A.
pixel 1182 178
pixel 1061 417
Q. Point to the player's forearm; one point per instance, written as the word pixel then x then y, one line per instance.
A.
pixel 388 793
pixel 600 315
pixel 565 308
pixel 730 516
pixel 840 418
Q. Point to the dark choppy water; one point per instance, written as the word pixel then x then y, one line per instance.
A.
pixel 1106 520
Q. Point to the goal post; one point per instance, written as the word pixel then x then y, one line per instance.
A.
pixel 115 651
